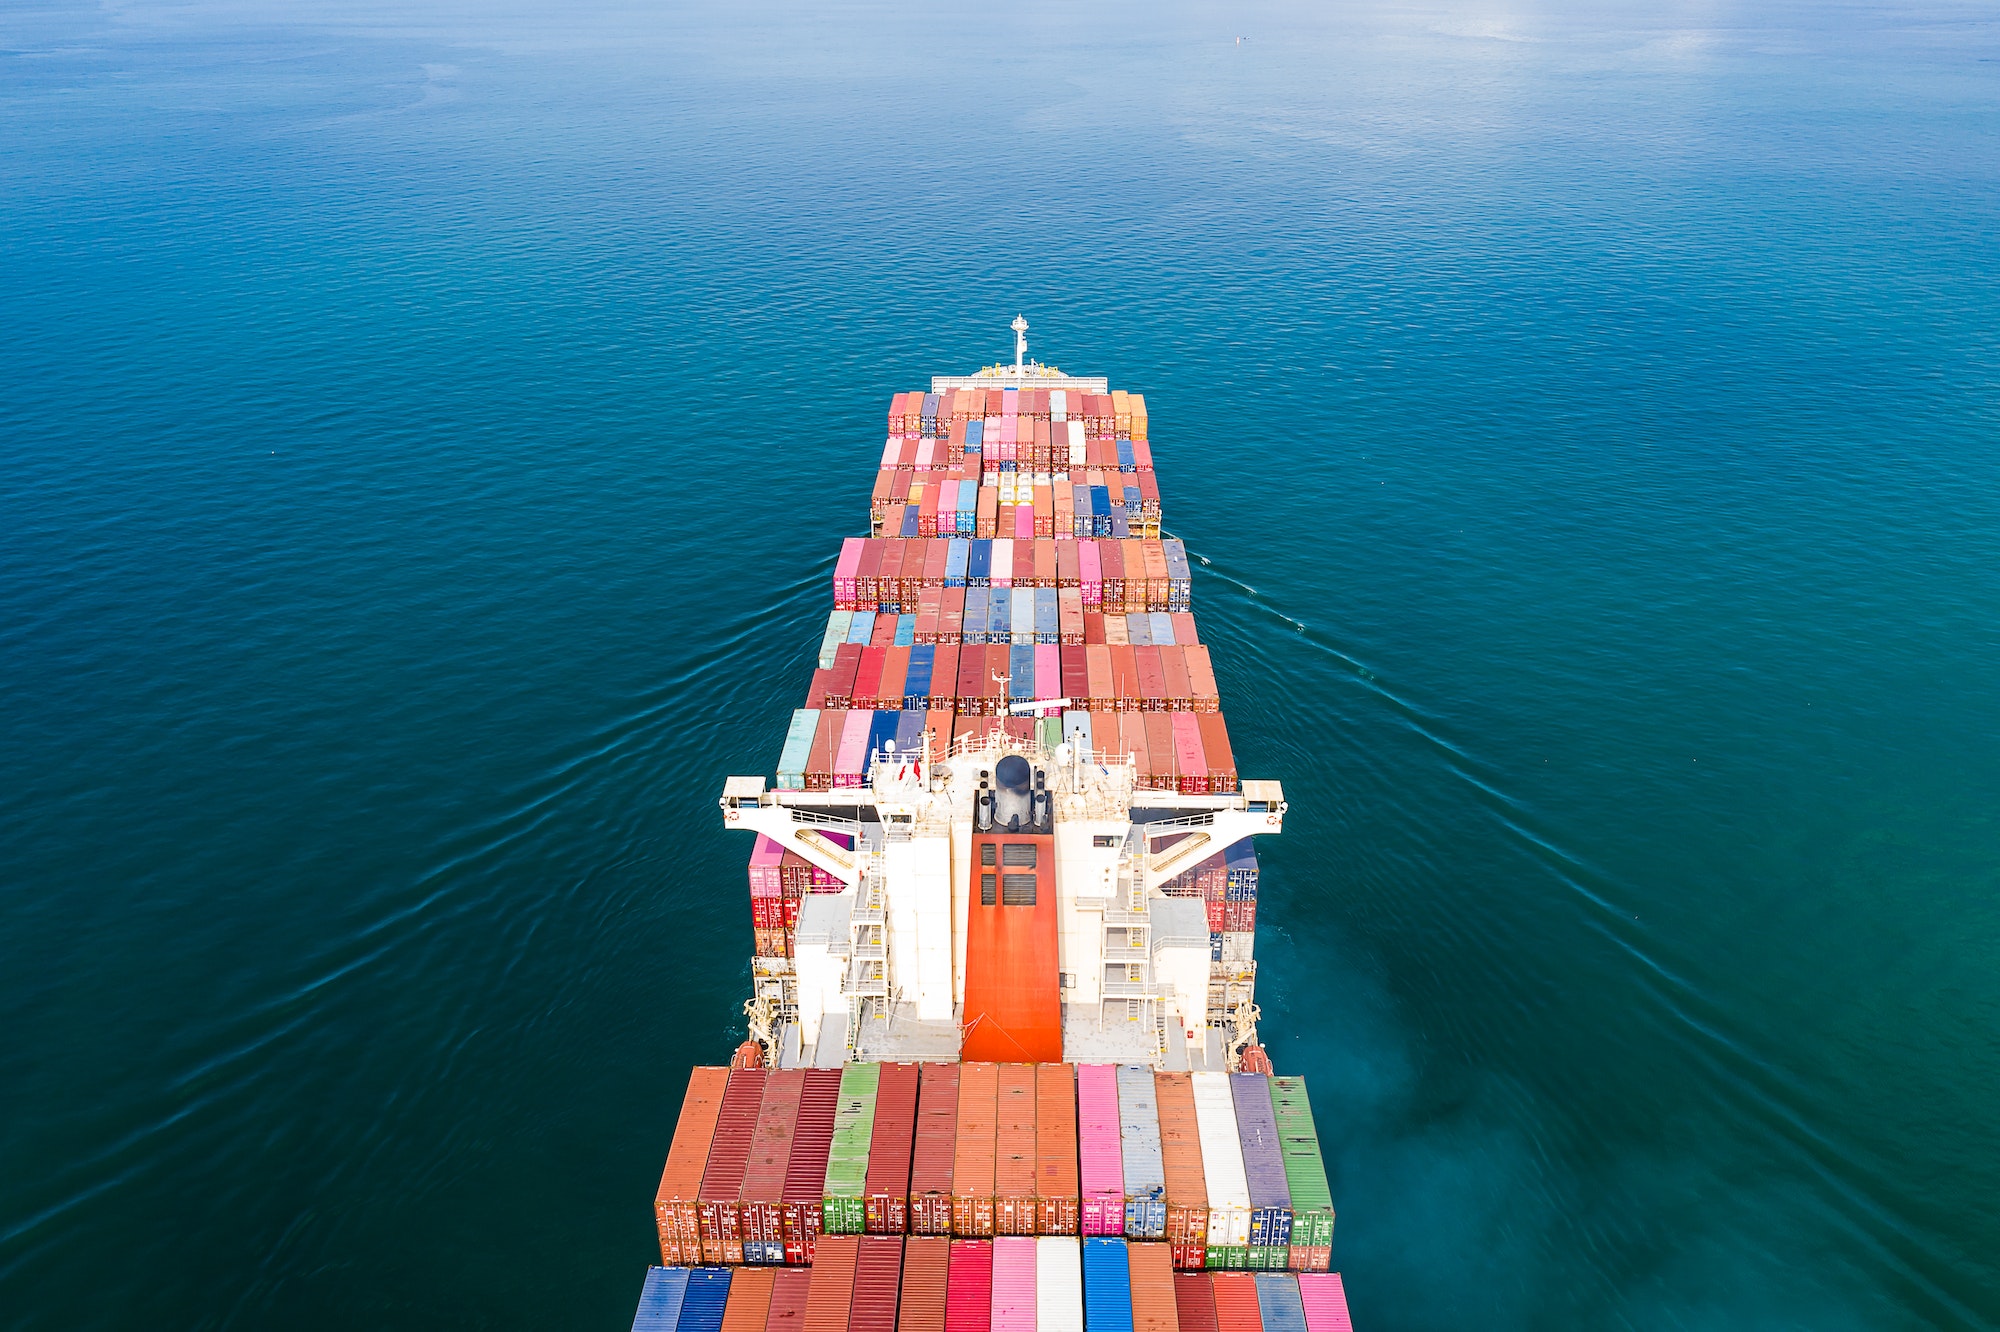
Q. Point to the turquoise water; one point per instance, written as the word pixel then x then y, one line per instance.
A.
pixel 425 435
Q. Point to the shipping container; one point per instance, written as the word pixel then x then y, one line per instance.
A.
pixel 1305 1174
pixel 1324 1301
pixel 1102 1173
pixel 707 1296
pixel 1278 1302
pixel 878 1272
pixel 973 1164
pixel 1180 1159
pixel 844 1211
pixel 721 1235
pixel 1014 1151
pixel 761 1197
pixel 1194 1301
pixel 749 1306
pixel 805 1178
pixel 926 1268
pixel 1014 1301
pixel 886 1185
pixel 968 1305
pixel 1056 1182
pixel 1058 1284
pixel 1153 1307
pixel 1263 1163
pixel 1236 1302
pixel 660 1300
pixel 1107 1286
pixel 830 1297
pixel 676 1204
pixel 1221 1162
pixel 1139 1152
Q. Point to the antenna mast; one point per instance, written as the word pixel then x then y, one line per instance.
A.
pixel 1020 327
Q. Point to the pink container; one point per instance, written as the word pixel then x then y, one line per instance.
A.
pixel 1048 670
pixel 1325 1301
pixel 1003 563
pixel 1090 573
pixel 1193 772
pixel 968 1290
pixel 853 751
pixel 1024 522
pixel 1103 1164
pixel 891 451
pixel 767 861
pixel 1014 1284
pixel 845 571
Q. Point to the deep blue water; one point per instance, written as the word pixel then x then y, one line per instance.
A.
pixel 425 434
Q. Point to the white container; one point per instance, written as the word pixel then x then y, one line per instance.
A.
pixel 1058 1284
pixel 1221 1162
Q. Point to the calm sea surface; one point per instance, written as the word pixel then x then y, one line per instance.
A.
pixel 425 433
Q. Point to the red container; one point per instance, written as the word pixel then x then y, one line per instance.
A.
pixel 973 1163
pixel 1152 679
pixel 1125 681
pixel 1056 1189
pixel 676 1205
pixel 934 1150
pixel 1236 1302
pixel 840 684
pixel 926 1274
pixel 968 1301
pixel 1015 1151
pixel 878 1274
pixel 760 1200
pixel 1173 669
pixel 831 1294
pixel 1217 754
pixel 1075 676
pixel 805 1176
pixel 722 1178
pixel 944 672
pixel 1194 1302
pixel 886 1193
pixel 790 1290
pixel 1239 917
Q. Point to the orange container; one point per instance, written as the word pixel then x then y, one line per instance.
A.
pixel 973 1160
pixel 831 1294
pixel 1215 752
pixel 749 1306
pixel 722 1177
pixel 1153 1307
pixel 1014 1151
pixel 1056 1186
pixel 677 1203
pixel 926 1267
pixel 1180 1157
pixel 1236 1302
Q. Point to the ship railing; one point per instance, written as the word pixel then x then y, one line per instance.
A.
pixel 1129 989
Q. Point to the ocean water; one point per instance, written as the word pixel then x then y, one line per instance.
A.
pixel 425 436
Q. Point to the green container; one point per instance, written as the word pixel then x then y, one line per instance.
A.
pixel 1048 730
pixel 1269 1257
pixel 1305 1168
pixel 845 1210
pixel 1232 1258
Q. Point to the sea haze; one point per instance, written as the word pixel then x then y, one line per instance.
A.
pixel 428 429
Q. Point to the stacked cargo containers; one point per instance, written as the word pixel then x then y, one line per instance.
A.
pixel 1222 1172
pixel 1152 1268
pixel 1305 1176
pixel 844 1208
pixel 973 1163
pixel 1180 1162
pixel 878 1275
pixel 1236 1302
pixel 934 1150
pixel 721 1235
pixel 749 1307
pixel 968 1303
pixel 1013 1284
pixel 1056 1180
pixel 1139 1150
pixel 926 1269
pixel 706 1298
pixel 805 1178
pixel 1107 1286
pixel 1324 1300
pixel 1015 1151
pixel 1194 1301
pixel 676 1205
pixel 1058 1284
pixel 790 1291
pixel 660 1299
pixel 1278 1302
pixel 760 1200
pixel 830 1297
pixel 1263 1171
pixel 886 1186
pixel 1103 1171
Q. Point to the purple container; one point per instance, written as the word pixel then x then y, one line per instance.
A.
pixel 1263 1163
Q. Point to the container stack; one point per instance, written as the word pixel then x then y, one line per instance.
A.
pixel 1224 1169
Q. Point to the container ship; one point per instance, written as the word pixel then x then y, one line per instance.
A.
pixel 1002 1071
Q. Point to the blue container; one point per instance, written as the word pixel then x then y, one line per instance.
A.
pixel 1215 948
pixel 1100 502
pixel 660 1301
pixel 883 727
pixel 1126 462
pixel 1120 528
pixel 975 433
pixel 862 628
pixel 1278 1302
pixel 930 408
pixel 1139 629
pixel 909 734
pixel 909 524
pixel 707 1293
pixel 979 563
pixel 906 629
pixel 1048 618
pixel 1000 615
pixel 968 517
pixel 917 683
pixel 1240 883
pixel 1021 665
pixel 1177 560
pixel 972 626
pixel 764 1253
pixel 955 557
pixel 838 625
pixel 1079 500
pixel 1107 1285
pixel 1163 628
pixel 1076 728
